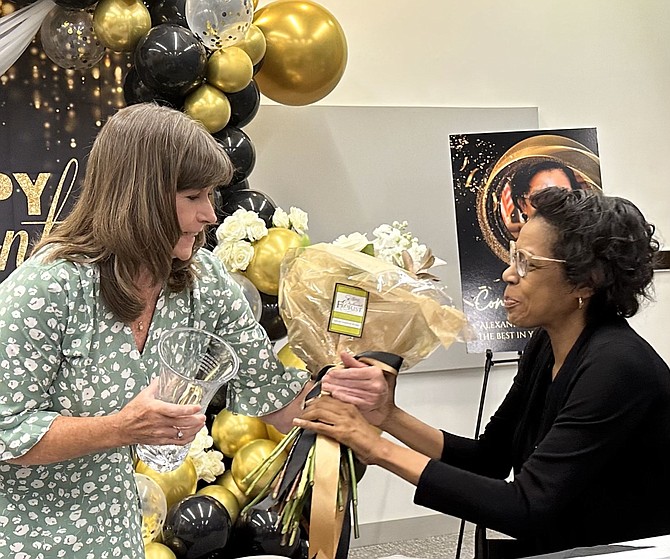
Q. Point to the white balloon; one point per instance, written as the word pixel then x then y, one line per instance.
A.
pixel 153 506
pixel 219 23
pixel 251 294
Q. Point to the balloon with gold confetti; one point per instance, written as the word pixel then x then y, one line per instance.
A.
pixel 153 506
pixel 219 23
pixel 69 39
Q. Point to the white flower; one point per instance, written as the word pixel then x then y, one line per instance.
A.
pixel 208 465
pixel 354 241
pixel 201 442
pixel 417 252
pixel 298 220
pixel 232 229
pixel 254 226
pixel 280 219
pixel 235 255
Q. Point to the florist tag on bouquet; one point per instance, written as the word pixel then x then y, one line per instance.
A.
pixel 347 314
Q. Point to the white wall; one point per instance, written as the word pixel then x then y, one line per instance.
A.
pixel 602 63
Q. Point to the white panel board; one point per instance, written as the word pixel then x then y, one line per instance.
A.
pixel 354 168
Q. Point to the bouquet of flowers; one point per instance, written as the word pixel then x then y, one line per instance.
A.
pixel 377 300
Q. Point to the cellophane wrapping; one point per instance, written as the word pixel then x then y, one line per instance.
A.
pixel 406 315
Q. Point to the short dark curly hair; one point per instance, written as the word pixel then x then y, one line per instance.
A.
pixel 607 243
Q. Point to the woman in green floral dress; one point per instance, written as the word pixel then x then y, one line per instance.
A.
pixel 79 327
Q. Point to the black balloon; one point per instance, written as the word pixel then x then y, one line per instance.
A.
pixel 242 185
pixel 258 66
pixel 251 200
pixel 239 148
pixel 136 91
pixel 75 4
pixel 256 533
pixel 197 527
pixel 168 11
pixel 244 105
pixel 271 320
pixel 171 60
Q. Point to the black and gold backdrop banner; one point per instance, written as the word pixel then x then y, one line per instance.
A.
pixel 49 117
pixel 484 167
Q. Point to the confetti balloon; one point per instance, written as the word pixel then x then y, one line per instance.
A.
pixel 219 23
pixel 153 506
pixel 69 40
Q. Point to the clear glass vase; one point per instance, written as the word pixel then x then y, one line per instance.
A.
pixel 194 364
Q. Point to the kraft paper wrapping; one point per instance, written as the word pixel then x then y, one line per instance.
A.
pixel 408 316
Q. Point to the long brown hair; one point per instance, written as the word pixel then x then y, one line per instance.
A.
pixel 125 219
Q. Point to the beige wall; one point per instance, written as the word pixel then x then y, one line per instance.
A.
pixel 602 63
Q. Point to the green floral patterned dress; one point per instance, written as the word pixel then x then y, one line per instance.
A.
pixel 63 352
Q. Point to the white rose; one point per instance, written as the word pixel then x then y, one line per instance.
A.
pixel 417 252
pixel 298 220
pixel 280 219
pixel 256 230
pixel 354 241
pixel 232 229
pixel 235 255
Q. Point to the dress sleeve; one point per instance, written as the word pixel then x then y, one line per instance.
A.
pixel 263 385
pixel 607 403
pixel 33 305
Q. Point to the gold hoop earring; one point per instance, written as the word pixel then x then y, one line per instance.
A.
pixel 580 303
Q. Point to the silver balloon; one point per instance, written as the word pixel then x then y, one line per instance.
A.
pixel 251 294
pixel 69 40
pixel 219 23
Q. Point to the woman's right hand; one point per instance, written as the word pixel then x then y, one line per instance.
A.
pixel 147 420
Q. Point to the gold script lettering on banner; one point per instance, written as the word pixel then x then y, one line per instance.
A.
pixel 33 192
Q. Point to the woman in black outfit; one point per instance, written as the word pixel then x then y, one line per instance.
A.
pixel 585 428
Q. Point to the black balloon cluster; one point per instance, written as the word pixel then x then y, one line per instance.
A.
pixel 199 527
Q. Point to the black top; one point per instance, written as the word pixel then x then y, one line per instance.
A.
pixel 590 450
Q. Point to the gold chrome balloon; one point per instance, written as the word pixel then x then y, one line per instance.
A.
pixel 210 106
pixel 248 457
pixel 253 44
pixel 274 434
pixel 289 359
pixel 120 24
pixel 230 69
pixel 226 481
pixel 263 270
pixel 306 52
pixel 156 550
pixel 176 484
pixel 232 431
pixel 225 497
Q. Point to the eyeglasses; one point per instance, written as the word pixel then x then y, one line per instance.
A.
pixel 520 259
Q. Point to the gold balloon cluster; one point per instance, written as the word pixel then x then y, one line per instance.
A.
pixel 229 70
pixel 248 441
pixel 303 51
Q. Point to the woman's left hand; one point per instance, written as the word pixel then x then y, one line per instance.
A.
pixel 365 386
pixel 344 423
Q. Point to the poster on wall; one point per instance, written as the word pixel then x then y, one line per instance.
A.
pixel 493 175
pixel 49 117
